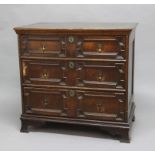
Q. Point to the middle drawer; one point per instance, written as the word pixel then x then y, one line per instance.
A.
pixel 74 73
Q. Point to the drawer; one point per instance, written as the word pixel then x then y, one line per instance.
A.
pixel 74 103
pixel 80 46
pixel 74 73
pixel 44 72
pixel 111 47
pixel 101 105
pixel 100 74
pixel 39 45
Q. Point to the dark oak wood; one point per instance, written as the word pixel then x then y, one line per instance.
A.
pixel 78 74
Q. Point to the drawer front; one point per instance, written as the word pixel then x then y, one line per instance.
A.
pixel 101 105
pixel 74 103
pixel 100 74
pixel 112 47
pixel 74 73
pixel 53 46
pixel 44 102
pixel 44 72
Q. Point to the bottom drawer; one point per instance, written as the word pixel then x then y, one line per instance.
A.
pixel 75 103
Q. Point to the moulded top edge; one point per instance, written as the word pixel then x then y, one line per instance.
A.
pixel 78 26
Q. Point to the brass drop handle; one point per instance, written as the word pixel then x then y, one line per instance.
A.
pixel 71 65
pixel 70 39
pixel 45 75
pixel 100 107
pixel 45 101
pixel 71 93
pixel 43 48
pixel 100 77
pixel 100 48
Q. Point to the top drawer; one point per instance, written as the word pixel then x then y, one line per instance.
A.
pixel 97 46
pixel 74 46
pixel 53 46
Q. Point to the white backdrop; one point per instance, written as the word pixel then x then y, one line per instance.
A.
pixel 143 133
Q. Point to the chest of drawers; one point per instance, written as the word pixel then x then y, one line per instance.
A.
pixel 78 74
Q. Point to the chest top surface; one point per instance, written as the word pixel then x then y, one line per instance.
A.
pixel 79 26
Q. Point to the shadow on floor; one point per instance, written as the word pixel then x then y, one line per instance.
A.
pixel 77 130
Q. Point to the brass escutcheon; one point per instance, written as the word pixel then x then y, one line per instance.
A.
pixel 71 39
pixel 71 93
pixel 71 65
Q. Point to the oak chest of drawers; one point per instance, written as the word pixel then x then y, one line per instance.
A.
pixel 78 74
